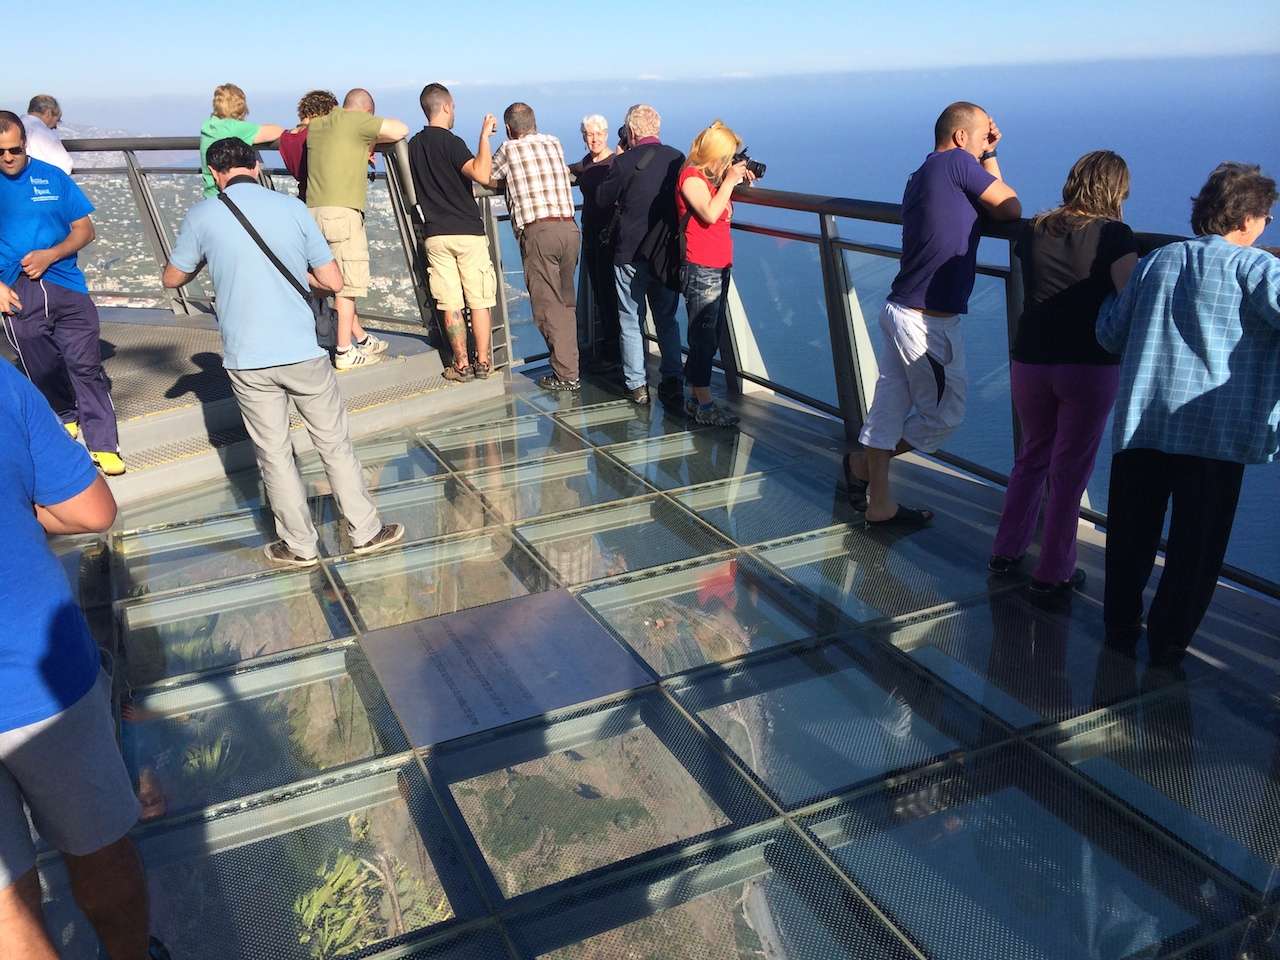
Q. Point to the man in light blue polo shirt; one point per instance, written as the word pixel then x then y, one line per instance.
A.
pixel 269 346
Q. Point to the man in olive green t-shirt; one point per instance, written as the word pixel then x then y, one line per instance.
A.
pixel 338 151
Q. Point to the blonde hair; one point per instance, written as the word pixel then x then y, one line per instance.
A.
pixel 713 150
pixel 229 102
pixel 1096 189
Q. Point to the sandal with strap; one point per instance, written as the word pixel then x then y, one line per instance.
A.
pixel 906 517
pixel 855 489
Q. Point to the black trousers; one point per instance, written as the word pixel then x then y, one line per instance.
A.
pixel 1204 494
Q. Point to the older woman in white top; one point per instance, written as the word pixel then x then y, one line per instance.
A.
pixel 597 258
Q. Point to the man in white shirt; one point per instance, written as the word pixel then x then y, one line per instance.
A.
pixel 43 117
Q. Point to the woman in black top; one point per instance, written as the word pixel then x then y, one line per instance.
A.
pixel 597 259
pixel 1063 382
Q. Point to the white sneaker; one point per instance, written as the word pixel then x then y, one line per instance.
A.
pixel 354 357
pixel 373 345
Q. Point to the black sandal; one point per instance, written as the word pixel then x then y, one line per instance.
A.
pixel 906 517
pixel 855 489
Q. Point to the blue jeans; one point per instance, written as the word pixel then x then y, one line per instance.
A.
pixel 706 294
pixel 634 282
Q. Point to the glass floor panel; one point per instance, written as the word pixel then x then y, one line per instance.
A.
pixel 748 901
pixel 873 574
pixel 622 421
pixel 1202 761
pixel 592 393
pixel 426 580
pixel 565 812
pixel 86 563
pixel 557 485
pixel 428 509
pixel 218 627
pixel 1026 663
pixel 707 612
pixel 1008 857
pixel 238 493
pixel 206 743
pixel 191 554
pixel 386 461
pixel 750 510
pixel 817 722
pixel 498 444
pixel 616 539
pixel 698 456
pixel 327 881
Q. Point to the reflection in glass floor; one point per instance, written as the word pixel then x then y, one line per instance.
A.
pixel 845 743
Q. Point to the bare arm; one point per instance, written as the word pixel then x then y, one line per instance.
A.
pixel 999 199
pixel 92 510
pixel 174 277
pixel 1122 270
pixel 392 130
pixel 82 233
pixel 480 167
pixel 698 196
pixel 268 133
pixel 327 278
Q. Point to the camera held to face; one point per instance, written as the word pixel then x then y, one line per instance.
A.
pixel 754 167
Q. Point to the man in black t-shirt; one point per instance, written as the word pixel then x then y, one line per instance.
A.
pixel 459 266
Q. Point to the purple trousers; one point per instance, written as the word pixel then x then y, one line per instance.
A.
pixel 56 338
pixel 1062 410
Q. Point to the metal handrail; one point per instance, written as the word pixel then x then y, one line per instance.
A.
pixel 849 360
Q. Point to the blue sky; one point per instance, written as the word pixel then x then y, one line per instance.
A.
pixel 181 47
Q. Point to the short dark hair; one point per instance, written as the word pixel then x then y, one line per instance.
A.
pixel 519 119
pixel 316 103
pixel 434 98
pixel 9 120
pixel 229 153
pixel 957 116
pixel 1233 192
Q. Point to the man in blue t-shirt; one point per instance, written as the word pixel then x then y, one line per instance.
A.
pixel 52 323
pixel 920 393
pixel 269 346
pixel 58 752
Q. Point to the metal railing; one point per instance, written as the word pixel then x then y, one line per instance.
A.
pixel 851 352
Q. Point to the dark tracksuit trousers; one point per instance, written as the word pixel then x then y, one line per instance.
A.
pixel 56 338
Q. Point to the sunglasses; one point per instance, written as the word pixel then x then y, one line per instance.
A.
pixel 13 151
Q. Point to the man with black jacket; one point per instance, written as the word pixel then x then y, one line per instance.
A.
pixel 642 187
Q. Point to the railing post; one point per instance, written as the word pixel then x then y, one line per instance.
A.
pixel 400 189
pixel 153 228
pixel 501 319
pixel 1013 299
pixel 851 390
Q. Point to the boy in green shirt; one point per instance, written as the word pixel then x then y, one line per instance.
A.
pixel 228 120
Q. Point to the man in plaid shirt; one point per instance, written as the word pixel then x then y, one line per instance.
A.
pixel 530 167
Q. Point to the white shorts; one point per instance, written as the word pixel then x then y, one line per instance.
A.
pixel 69 773
pixel 921 389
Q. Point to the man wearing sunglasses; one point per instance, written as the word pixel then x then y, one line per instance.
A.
pixel 49 318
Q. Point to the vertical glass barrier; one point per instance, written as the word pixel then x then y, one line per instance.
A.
pixel 120 259
pixel 780 284
pixel 175 194
pixel 390 285
pixel 525 339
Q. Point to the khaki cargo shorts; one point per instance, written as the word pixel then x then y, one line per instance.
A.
pixel 459 269
pixel 344 229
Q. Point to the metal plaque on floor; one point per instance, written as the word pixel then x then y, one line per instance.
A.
pixel 461 673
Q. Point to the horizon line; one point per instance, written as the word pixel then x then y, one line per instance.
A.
pixel 747 75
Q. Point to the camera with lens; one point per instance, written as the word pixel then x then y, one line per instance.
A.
pixel 754 167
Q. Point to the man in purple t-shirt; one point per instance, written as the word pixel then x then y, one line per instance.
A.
pixel 919 397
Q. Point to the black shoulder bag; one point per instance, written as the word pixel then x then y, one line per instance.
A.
pixel 610 231
pixel 326 325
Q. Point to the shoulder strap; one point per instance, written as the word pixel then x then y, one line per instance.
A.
pixel 262 245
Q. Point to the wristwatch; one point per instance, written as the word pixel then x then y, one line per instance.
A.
pixel 989 155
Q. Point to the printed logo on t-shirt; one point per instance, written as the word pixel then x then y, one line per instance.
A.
pixel 40 190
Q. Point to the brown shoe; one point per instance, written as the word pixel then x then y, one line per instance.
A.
pixel 389 534
pixel 278 552
pixel 482 370
pixel 639 396
pixel 459 374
